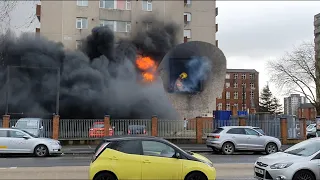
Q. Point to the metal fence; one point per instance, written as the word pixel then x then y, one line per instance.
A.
pixel 176 129
pixel 76 128
pixel 270 124
pixel 121 126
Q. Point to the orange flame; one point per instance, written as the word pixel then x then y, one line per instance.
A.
pixel 148 67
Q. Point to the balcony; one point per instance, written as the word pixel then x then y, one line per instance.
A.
pixel 114 14
pixel 38 11
pixel 317 22
pixel 317 30
pixel 217 28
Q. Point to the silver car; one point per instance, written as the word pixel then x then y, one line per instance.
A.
pixel 301 161
pixel 21 141
pixel 229 139
pixel 311 130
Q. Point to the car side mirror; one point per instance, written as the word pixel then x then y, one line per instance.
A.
pixel 26 137
pixel 177 155
pixel 41 127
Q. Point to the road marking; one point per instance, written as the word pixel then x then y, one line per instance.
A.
pixel 9 168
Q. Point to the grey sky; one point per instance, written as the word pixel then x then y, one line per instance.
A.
pixel 250 32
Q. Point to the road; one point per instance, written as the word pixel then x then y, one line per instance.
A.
pixel 76 167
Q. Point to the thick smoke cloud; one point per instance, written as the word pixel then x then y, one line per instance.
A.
pixel 101 79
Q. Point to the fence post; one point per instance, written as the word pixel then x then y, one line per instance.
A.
pixel 106 125
pixel 55 126
pixel 284 130
pixel 199 130
pixel 303 128
pixel 6 121
pixel 242 121
pixel 154 125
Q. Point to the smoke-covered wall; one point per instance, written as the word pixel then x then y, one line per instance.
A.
pixel 102 79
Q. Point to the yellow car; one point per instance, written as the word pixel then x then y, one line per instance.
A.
pixel 147 158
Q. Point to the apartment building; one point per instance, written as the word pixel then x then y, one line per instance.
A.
pixel 241 90
pixel 317 40
pixel 292 103
pixel 70 21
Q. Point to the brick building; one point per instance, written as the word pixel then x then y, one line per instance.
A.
pixel 307 111
pixel 241 90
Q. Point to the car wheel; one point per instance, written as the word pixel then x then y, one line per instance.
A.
pixel 303 175
pixel 105 176
pixel 196 176
pixel 271 148
pixel 228 148
pixel 41 151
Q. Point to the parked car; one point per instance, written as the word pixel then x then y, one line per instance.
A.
pixel 137 129
pixel 23 142
pixel 301 161
pixel 145 158
pixel 32 125
pixel 229 139
pixel 97 130
pixel 311 130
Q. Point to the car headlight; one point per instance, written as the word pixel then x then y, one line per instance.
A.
pixel 280 165
pixel 54 143
pixel 207 163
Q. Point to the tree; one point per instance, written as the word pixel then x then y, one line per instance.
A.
pixel 296 73
pixel 269 103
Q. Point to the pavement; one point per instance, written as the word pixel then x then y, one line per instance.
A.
pixel 89 149
pixel 76 167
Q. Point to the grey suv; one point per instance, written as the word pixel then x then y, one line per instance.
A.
pixel 229 139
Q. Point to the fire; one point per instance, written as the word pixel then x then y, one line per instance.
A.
pixel 145 63
pixel 148 68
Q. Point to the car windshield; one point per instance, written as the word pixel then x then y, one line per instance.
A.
pixel 27 124
pixel 30 134
pixel 259 130
pixel 98 126
pixel 305 148
pixel 311 126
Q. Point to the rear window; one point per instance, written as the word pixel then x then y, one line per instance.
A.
pixel 98 126
pixel 217 131
pixel 136 127
pixel 236 131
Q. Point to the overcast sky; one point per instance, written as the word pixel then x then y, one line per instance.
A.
pixel 250 33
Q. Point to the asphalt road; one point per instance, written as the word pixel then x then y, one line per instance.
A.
pixel 84 160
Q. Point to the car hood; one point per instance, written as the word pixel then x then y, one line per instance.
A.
pixel 279 157
pixel 198 156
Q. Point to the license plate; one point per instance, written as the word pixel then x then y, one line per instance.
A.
pixel 259 171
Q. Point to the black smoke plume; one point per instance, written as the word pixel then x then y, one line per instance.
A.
pixel 101 79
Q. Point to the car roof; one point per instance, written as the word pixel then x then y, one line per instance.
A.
pixel 9 128
pixel 27 119
pixel 229 127
pixel 132 137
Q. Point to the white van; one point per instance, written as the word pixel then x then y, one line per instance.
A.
pixel 32 125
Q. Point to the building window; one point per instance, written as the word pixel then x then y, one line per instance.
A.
pixel 78 44
pixel 236 106
pixel 244 107
pixel 220 96
pixel 235 95
pixel 81 23
pixel 251 76
pixel 187 2
pixel 251 95
pixel 148 25
pixel 244 95
pixel 235 76
pixel 227 95
pixel 108 4
pixel 187 34
pixel 187 17
pixel 219 106
pixel 244 85
pixel 147 5
pixel 227 76
pixel 251 85
pixel 227 84
pixel 82 2
pixel 117 26
pixel 128 4
pixel 243 76
pixel 235 85
pixel 228 106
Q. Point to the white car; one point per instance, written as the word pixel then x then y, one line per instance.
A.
pixel 299 162
pixel 22 142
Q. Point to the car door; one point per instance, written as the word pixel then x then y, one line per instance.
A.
pixel 158 162
pixel 126 159
pixel 254 140
pixel 17 142
pixel 4 141
pixel 238 137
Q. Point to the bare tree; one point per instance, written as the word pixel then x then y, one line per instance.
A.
pixel 296 73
